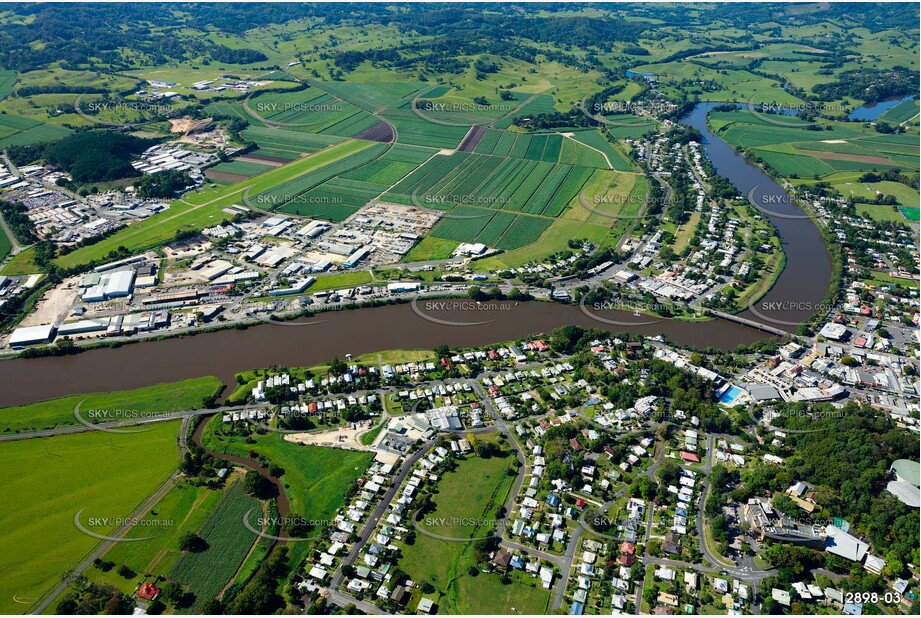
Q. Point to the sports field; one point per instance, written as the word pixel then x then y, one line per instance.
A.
pixel 49 480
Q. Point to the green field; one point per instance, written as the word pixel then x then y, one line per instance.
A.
pixel 5 245
pixel 338 281
pixel 7 81
pixel 185 507
pixel 431 248
pixel 49 480
pixel 315 477
pixel 229 540
pixel 20 131
pixel 106 407
pixel 444 564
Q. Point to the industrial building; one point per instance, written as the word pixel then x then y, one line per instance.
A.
pixel 30 335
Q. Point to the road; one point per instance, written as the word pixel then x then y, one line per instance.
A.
pixel 105 545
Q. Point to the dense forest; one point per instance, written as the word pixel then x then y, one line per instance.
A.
pixel 94 156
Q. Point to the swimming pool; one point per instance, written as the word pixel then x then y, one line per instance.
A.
pixel 731 394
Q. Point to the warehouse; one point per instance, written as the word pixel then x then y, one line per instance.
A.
pixel 119 284
pixel 83 326
pixel 29 335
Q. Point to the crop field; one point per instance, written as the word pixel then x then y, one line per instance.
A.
pixel 185 507
pixel 49 480
pixel 596 140
pixel 206 572
pixel 106 407
pixel 540 104
pixel 7 81
pixel 203 208
pixel 316 477
pixel 236 169
pixel 373 96
pixel 902 112
pixel 286 144
pixel 19 131
pixel 521 185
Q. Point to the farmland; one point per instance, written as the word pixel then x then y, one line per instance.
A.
pixel 50 479
pixel 20 131
pixel 206 572
pixel 106 407
pixel 185 507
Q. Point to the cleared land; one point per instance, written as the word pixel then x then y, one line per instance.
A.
pixel 49 480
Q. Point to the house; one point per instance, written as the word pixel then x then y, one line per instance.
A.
pixel 672 543
pixel 426 605
pixel 670 600
pixel 781 596
pixel 148 592
pixel 400 595
pixel 502 560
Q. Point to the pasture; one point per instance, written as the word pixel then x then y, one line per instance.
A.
pixel 49 480
pixel 137 404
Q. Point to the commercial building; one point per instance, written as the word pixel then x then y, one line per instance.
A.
pixel 30 335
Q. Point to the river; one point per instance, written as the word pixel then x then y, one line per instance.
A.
pixel 803 284
pixel 360 331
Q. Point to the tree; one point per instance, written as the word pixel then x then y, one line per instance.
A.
pixel 257 485
pixel 192 542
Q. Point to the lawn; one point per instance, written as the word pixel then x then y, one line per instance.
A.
pixel 49 480
pixel 338 281
pixel 552 241
pixel 315 477
pixel 444 564
pixel 103 407
pixel 229 540
pixel 459 498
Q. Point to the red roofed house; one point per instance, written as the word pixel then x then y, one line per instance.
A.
pixel 627 560
pixel 578 447
pixel 580 503
pixel 627 548
pixel 693 457
pixel 148 591
pixel 540 346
